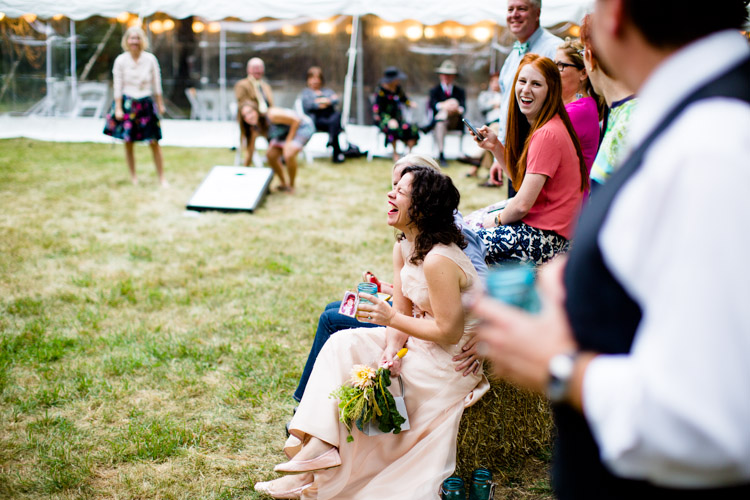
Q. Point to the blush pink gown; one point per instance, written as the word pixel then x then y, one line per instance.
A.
pixel 410 465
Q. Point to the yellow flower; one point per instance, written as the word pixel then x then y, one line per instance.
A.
pixel 362 376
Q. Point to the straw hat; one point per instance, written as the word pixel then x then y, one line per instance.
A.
pixel 448 67
pixel 392 73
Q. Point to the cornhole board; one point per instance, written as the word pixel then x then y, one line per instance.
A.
pixel 232 189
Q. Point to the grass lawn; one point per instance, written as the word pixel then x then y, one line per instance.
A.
pixel 148 354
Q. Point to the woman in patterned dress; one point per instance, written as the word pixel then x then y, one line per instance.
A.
pixel 387 111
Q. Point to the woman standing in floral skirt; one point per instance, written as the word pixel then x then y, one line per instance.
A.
pixel 138 94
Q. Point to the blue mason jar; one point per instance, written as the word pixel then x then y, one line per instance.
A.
pixel 481 487
pixel 453 489
pixel 514 285
pixel 366 287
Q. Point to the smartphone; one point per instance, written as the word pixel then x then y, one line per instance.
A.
pixel 476 133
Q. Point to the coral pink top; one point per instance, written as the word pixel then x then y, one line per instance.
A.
pixel 552 153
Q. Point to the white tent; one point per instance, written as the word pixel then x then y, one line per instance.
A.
pixel 432 12
pixel 554 12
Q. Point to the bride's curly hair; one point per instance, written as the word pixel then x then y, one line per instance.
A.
pixel 434 199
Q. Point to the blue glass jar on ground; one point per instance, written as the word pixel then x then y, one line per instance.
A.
pixel 514 285
pixel 453 489
pixel 481 487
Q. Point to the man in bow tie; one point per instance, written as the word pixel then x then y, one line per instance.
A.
pixel 522 20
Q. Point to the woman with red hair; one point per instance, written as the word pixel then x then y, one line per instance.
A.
pixel 543 158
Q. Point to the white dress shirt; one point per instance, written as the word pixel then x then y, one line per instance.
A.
pixel 676 410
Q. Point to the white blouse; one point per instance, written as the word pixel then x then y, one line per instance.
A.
pixel 136 79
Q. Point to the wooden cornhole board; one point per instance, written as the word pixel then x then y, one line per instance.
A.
pixel 232 189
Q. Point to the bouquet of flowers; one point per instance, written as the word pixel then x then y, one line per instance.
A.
pixel 365 397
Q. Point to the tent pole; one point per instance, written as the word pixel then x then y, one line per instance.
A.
pixel 360 79
pixel 204 58
pixel 73 73
pixel 222 74
pixel 352 54
pixel 50 98
pixel 493 52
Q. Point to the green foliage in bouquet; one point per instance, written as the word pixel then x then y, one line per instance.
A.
pixel 368 398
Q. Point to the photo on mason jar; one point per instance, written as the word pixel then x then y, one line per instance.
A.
pixel 349 304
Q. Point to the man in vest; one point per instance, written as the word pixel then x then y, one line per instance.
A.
pixel 256 91
pixel 644 340
pixel 522 20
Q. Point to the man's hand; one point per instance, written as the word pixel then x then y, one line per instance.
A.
pixel 520 345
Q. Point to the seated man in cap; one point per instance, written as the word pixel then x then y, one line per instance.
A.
pixel 446 106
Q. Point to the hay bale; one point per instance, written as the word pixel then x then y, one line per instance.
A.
pixel 502 430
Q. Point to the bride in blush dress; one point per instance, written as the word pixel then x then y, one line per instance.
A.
pixel 433 283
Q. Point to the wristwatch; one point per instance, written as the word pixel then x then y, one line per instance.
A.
pixel 560 372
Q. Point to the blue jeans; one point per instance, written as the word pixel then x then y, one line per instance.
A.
pixel 329 323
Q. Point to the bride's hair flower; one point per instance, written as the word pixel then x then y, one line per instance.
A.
pixel 362 376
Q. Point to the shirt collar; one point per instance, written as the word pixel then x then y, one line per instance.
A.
pixel 535 36
pixel 682 73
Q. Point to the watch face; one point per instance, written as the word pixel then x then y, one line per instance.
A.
pixel 560 371
pixel 561 366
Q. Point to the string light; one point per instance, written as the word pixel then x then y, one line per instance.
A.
pixel 429 32
pixel 387 31
pixel 57 17
pixel 459 31
pixel 123 17
pixel 198 27
pixel 2 16
pixel 482 34
pixel 258 29
pixel 575 31
pixel 289 29
pixel 168 25
pixel 135 22
pixel 214 27
pixel 156 27
pixel 414 32
pixel 29 18
pixel 324 28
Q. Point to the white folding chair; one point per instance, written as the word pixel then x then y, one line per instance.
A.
pixel 91 99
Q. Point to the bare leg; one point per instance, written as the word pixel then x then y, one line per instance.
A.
pixel 273 155
pixel 396 156
pixel 410 144
pixel 290 158
pixel 441 128
pixel 159 162
pixel 130 160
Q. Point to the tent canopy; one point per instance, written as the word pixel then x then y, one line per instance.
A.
pixel 438 11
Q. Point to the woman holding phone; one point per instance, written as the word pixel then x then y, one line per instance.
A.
pixel 543 158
